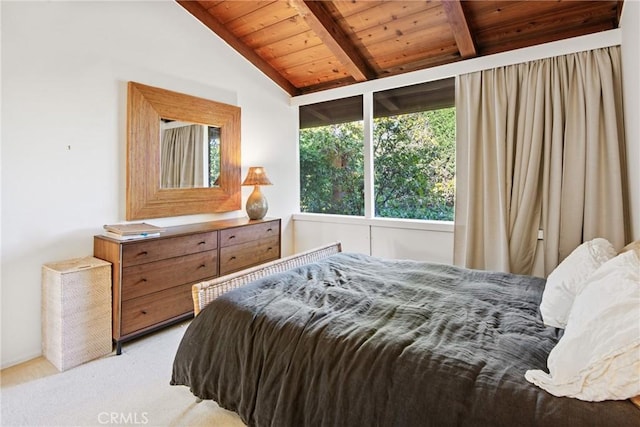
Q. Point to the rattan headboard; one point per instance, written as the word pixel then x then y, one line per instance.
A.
pixel 205 292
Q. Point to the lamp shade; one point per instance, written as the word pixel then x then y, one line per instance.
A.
pixel 256 176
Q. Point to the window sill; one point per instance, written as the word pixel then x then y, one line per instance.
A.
pixel 413 224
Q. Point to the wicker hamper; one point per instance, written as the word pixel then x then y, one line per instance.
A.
pixel 76 311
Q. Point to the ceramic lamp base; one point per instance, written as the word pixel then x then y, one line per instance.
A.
pixel 257 205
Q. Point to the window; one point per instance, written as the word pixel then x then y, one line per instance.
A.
pixel 412 147
pixel 414 151
pixel 332 157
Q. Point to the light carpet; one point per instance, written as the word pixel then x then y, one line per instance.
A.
pixel 130 389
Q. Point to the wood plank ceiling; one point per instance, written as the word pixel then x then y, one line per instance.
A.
pixel 308 46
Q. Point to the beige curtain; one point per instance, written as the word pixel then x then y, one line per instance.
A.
pixel 539 145
pixel 182 157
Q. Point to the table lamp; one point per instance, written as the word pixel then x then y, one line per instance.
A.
pixel 256 203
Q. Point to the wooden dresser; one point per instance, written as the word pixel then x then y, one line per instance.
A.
pixel 152 277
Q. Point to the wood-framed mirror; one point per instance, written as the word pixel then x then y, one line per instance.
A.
pixel 147 194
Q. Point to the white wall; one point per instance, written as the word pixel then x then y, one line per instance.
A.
pixel 65 66
pixel 397 239
pixel 630 24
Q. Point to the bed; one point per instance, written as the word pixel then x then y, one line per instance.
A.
pixel 353 340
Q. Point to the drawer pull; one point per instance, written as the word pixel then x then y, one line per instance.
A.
pixel 143 311
pixel 202 243
pixel 269 230
pixel 143 280
pixel 143 253
pixel 269 248
pixel 232 258
pixel 202 266
pixel 233 236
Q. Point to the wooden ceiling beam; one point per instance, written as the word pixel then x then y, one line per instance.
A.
pixel 460 28
pixel 199 12
pixel 618 12
pixel 323 24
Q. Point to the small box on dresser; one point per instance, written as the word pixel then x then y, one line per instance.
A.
pixel 76 311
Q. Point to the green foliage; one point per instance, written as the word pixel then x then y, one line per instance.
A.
pixel 214 155
pixel 414 167
pixel 331 169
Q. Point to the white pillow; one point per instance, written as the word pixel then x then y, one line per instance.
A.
pixel 598 357
pixel 568 278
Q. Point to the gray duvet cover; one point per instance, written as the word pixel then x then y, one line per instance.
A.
pixel 354 340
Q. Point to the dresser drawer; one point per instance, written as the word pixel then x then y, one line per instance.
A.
pixel 142 312
pixel 248 233
pixel 157 249
pixel 155 276
pixel 237 257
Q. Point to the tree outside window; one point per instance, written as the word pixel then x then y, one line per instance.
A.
pixel 413 145
pixel 331 169
pixel 414 164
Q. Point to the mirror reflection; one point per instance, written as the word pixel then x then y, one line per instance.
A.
pixel 189 154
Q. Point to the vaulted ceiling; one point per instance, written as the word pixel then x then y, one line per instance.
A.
pixel 307 46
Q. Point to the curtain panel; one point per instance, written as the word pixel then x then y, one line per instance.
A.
pixel 540 145
pixel 182 157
